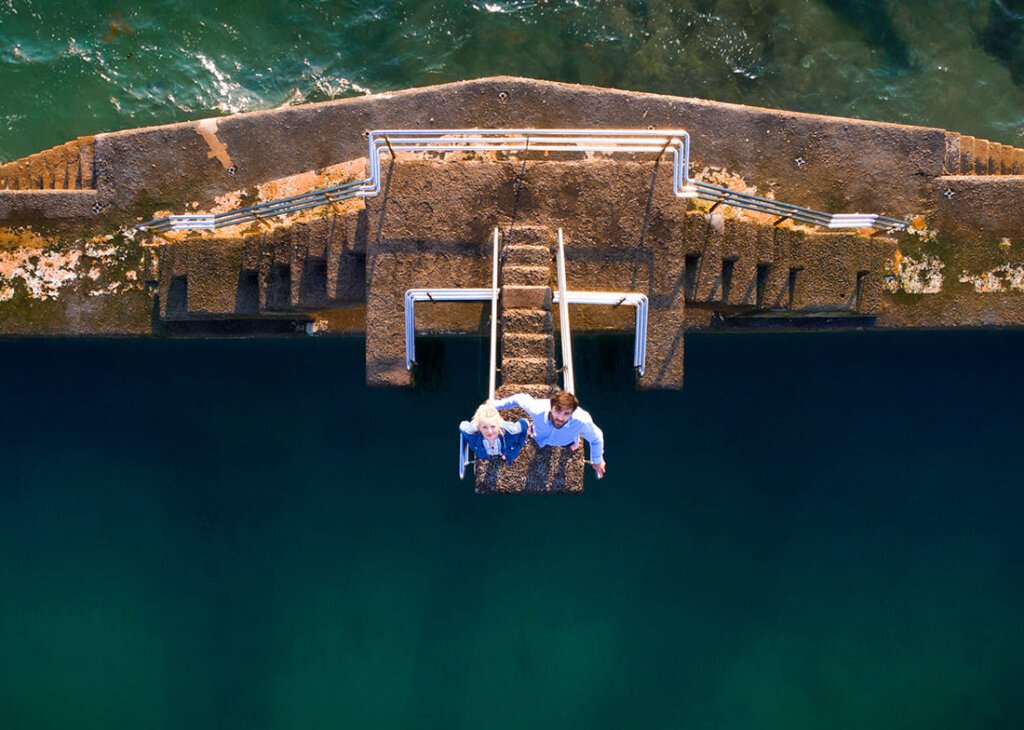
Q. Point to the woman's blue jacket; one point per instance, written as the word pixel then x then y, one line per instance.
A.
pixel 512 440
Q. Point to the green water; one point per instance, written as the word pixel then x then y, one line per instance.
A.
pixel 70 69
pixel 821 531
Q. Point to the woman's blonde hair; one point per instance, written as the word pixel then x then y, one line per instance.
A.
pixel 487 413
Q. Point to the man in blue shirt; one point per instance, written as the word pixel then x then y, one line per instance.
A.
pixel 559 421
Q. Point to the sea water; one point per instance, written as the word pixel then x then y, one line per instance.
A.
pixel 819 531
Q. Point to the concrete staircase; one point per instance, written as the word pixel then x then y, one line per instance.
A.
pixel 65 167
pixel 736 265
pixel 528 365
pixel 527 343
pixel 306 267
pixel 967 155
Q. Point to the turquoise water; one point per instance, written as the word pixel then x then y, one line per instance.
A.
pixel 821 531
pixel 70 69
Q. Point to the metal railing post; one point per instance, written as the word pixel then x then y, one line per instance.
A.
pixel 568 380
pixel 433 295
pixel 494 319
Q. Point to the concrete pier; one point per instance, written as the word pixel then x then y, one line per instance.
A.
pixel 73 262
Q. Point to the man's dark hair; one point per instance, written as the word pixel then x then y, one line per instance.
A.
pixel 563 399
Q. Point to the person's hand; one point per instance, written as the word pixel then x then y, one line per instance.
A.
pixel 575 446
pixel 529 430
pixel 599 469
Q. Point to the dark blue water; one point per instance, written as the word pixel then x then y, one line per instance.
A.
pixel 821 531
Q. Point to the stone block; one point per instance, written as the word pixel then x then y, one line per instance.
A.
pixel 527 321
pixel 951 163
pixel 707 240
pixel 526 297
pixel 391 268
pixel 966 154
pixel 824 271
pixel 542 237
pixel 517 345
pixel 538 370
pixel 537 390
pixel 526 275
pixel 981 157
pixel 528 255
pixel 201 277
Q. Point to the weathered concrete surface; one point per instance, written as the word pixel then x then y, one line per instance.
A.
pixel 844 164
pixel 848 162
pixel 344 268
pixel 551 470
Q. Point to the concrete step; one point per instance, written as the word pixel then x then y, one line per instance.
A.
pixel 537 390
pixel 539 370
pixel 206 278
pixel 517 345
pixel 525 275
pixel 526 297
pixel 530 235
pixel 528 255
pixel 526 321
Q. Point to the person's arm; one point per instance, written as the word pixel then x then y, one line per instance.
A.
pixel 595 437
pixel 469 430
pixel 521 400
pixel 513 428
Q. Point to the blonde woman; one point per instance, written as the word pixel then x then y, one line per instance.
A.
pixel 491 436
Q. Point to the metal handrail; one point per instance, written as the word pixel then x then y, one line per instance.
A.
pixel 464 459
pixel 494 320
pixel 615 299
pixel 434 295
pixel 568 379
pixel 633 141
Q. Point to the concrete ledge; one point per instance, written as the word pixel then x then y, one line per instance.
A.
pixel 32 206
pixel 550 470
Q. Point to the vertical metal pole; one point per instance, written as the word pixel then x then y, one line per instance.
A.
pixel 494 318
pixel 568 381
pixel 462 456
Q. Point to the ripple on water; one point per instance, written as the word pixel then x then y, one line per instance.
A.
pixel 67 72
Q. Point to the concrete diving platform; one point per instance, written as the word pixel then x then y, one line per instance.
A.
pixel 528 366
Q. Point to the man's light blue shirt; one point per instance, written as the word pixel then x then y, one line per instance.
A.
pixel 544 431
